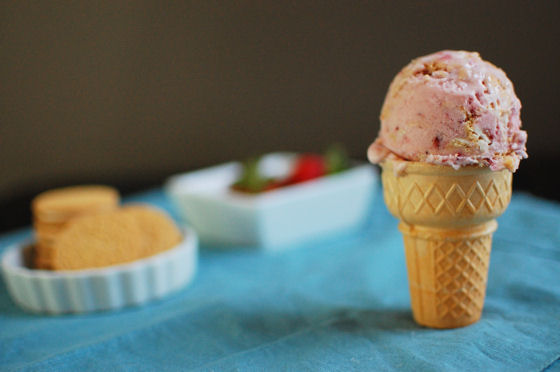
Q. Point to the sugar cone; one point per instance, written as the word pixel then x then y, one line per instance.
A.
pixel 447 220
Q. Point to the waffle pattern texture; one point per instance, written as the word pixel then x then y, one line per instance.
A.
pixel 447 220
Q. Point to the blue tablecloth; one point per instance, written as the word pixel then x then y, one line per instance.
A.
pixel 337 304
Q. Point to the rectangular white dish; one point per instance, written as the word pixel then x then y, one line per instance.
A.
pixel 274 219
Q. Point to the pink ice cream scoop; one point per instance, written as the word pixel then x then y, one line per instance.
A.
pixel 451 108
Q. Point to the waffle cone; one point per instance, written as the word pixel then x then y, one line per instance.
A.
pixel 447 220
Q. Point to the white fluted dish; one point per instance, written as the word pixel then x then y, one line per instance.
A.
pixel 113 287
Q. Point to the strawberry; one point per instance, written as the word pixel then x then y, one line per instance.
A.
pixel 307 167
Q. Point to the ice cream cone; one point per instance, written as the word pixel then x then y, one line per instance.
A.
pixel 447 220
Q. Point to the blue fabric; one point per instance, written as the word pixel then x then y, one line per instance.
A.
pixel 337 304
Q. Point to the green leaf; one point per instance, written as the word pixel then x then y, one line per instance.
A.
pixel 336 159
pixel 251 179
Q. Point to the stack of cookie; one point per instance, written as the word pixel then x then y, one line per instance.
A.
pixel 53 210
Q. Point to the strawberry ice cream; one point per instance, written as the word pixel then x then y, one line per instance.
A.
pixel 451 108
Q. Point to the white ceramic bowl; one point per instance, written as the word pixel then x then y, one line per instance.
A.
pixel 275 219
pixel 107 288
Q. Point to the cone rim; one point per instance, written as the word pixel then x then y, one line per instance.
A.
pixel 416 167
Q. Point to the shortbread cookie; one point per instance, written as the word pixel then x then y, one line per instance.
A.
pixel 44 250
pixel 62 204
pixel 159 231
pixel 41 264
pixel 52 210
pixel 47 231
pixel 113 238
pixel 98 240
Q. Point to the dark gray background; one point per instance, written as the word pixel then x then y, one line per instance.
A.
pixel 127 93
